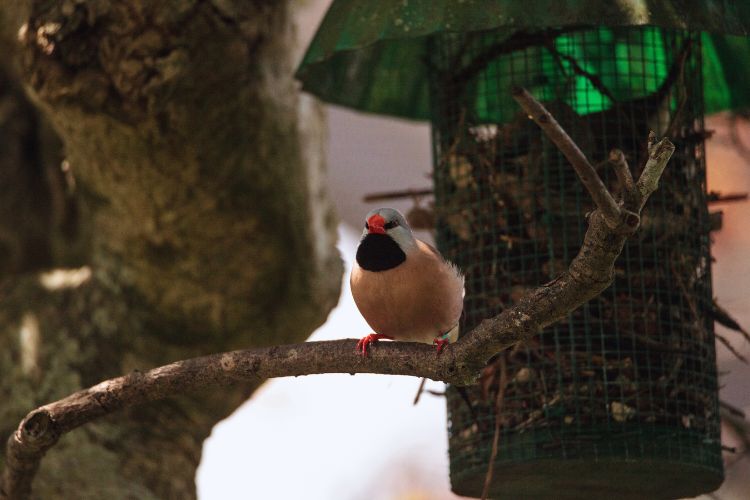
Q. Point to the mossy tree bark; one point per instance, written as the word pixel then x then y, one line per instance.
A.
pixel 192 190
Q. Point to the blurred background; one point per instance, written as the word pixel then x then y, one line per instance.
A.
pixel 361 437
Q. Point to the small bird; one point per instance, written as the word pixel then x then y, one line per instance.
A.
pixel 403 287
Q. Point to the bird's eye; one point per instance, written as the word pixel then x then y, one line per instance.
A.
pixel 391 224
pixel 367 226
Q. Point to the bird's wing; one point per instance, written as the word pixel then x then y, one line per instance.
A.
pixel 433 249
pixel 453 266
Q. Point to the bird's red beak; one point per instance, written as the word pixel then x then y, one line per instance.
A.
pixel 375 224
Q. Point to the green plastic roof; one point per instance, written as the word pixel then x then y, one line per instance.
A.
pixel 369 54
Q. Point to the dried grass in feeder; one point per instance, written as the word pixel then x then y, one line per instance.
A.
pixel 619 399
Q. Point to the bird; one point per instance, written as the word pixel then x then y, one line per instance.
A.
pixel 402 286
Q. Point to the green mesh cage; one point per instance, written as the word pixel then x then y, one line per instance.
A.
pixel 620 399
pixel 370 54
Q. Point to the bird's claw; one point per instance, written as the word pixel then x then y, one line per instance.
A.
pixel 365 342
pixel 440 342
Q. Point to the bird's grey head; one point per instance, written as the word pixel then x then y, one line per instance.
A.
pixel 391 222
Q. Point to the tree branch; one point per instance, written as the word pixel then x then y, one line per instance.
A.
pixel 590 272
pixel 622 170
pixel 604 201
pixel 655 164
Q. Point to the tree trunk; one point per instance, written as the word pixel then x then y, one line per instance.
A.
pixel 196 200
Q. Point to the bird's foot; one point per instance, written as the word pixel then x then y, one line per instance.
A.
pixel 440 342
pixel 365 342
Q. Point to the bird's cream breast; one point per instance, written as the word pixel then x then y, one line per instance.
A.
pixel 416 300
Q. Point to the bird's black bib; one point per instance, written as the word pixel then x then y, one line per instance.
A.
pixel 378 252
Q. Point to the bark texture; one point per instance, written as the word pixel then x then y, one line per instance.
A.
pixel 191 186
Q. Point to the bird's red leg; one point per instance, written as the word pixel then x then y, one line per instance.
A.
pixel 441 341
pixel 365 342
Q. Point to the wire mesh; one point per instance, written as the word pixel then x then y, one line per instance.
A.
pixel 631 375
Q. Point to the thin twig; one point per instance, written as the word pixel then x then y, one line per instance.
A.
pixel 516 42
pixel 728 409
pixel 395 195
pixel 652 171
pixel 586 172
pixel 594 79
pixel 498 420
pixel 419 391
pixel 715 197
pixel 721 315
pixel 731 348
pixel 697 317
pixel 676 75
pixel 622 170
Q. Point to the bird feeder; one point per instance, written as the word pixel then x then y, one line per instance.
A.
pixel 620 399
